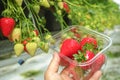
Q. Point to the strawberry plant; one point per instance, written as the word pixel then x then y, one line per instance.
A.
pixel 21 28
pixel 28 16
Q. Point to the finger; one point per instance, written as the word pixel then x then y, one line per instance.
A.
pixel 65 71
pixel 70 73
pixel 96 76
pixel 65 77
pixel 54 64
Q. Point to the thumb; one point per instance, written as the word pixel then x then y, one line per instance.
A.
pixel 54 64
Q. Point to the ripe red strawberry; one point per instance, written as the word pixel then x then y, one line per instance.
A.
pixel 69 47
pixel 88 56
pixel 24 42
pixel 7 26
pixel 36 33
pixel 66 7
pixel 100 60
pixel 86 43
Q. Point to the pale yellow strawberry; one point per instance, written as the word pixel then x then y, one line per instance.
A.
pixel 49 38
pixel 36 39
pixel 31 48
pixel 19 2
pixel 36 8
pixel 44 3
pixel 16 34
pixel 60 5
pixel 18 48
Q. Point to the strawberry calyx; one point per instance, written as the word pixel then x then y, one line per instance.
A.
pixel 88 43
pixel 88 46
pixel 83 57
pixel 80 57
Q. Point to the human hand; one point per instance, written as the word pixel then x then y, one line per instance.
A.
pixel 52 71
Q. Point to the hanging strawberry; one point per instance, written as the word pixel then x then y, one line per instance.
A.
pixel 24 42
pixel 66 7
pixel 7 26
pixel 16 34
pixel 44 46
pixel 63 5
pixel 48 37
pixel 60 5
pixel 19 2
pixel 44 3
pixel 36 39
pixel 35 32
pixel 18 48
pixel 36 8
pixel 31 47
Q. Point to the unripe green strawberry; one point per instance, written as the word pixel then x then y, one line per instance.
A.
pixel 45 3
pixel 18 48
pixel 44 46
pixel 59 12
pixel 60 5
pixel 16 34
pixel 49 38
pixel 36 39
pixel 31 48
pixel 19 2
pixel 36 8
pixel 52 3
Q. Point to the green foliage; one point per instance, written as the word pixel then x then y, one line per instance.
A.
pixel 95 14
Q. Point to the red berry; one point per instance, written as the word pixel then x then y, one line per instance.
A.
pixel 89 41
pixel 69 47
pixel 7 26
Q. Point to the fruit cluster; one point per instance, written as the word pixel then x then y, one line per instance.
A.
pixel 25 31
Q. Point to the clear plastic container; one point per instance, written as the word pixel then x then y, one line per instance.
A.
pixel 82 70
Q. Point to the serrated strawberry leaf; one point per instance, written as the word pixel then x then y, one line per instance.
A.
pixel 79 57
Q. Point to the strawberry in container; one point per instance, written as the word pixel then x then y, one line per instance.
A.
pixel 82 50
